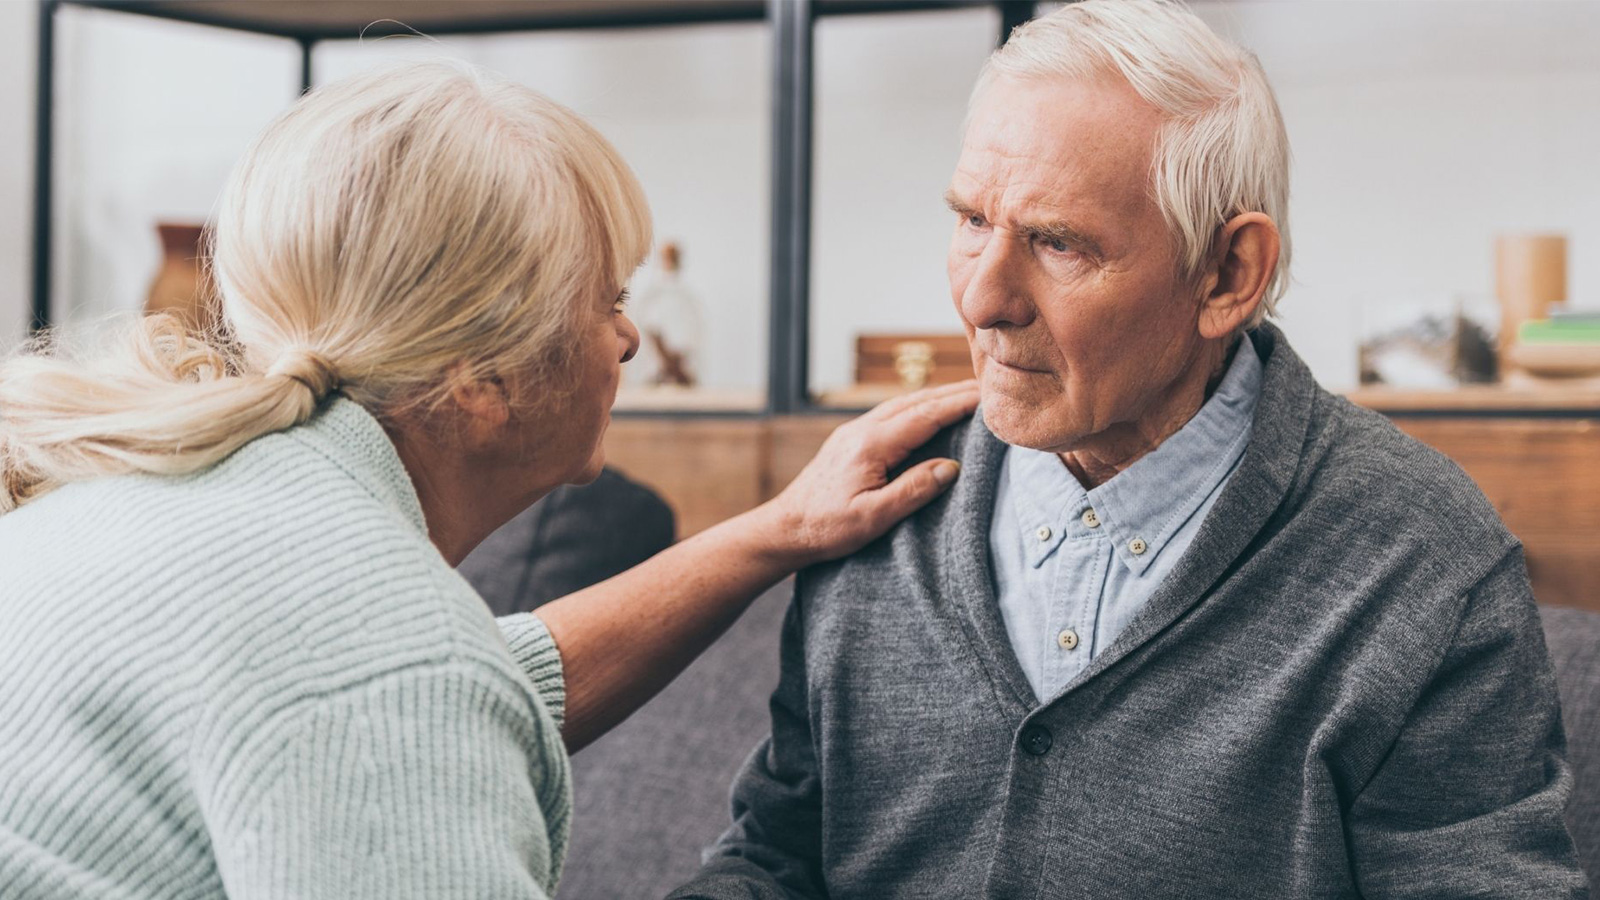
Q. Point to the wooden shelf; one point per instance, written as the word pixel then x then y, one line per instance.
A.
pixel 323 19
pixel 858 396
pixel 1499 399
pixel 681 400
pixel 1502 399
pixel 336 19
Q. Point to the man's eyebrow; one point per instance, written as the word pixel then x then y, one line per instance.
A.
pixel 957 205
pixel 1065 232
pixel 1059 230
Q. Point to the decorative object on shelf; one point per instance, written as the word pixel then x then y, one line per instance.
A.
pixel 181 286
pixel 913 362
pixel 1530 278
pixel 1542 341
pixel 1563 349
pixel 888 365
pixel 671 328
pixel 1422 346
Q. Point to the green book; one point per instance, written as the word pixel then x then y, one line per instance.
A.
pixel 1546 331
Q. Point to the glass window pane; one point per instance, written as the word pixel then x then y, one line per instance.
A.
pixel 689 108
pixel 891 93
pixel 150 117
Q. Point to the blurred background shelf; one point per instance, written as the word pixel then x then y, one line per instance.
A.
pixel 331 19
pixel 667 398
pixel 335 19
pixel 1580 400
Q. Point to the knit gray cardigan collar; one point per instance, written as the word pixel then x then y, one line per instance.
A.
pixel 1257 489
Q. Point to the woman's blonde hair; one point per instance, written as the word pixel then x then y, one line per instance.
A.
pixel 385 229
pixel 1222 149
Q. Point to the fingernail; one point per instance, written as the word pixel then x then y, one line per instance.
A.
pixel 945 472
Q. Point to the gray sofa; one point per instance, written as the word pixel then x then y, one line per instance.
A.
pixel 1574 640
pixel 576 536
pixel 653 792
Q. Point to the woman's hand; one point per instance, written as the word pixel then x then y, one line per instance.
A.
pixel 624 638
pixel 843 499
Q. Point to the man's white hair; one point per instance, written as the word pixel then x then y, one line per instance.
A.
pixel 1222 149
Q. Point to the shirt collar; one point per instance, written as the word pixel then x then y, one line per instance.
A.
pixel 1148 502
pixel 1048 500
pixel 1145 505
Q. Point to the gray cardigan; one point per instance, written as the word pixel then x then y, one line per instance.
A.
pixel 1341 691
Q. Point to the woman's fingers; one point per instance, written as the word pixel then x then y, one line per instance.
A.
pixel 914 489
pixel 844 498
pixel 916 424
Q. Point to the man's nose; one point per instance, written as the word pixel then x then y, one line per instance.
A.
pixel 995 293
pixel 628 336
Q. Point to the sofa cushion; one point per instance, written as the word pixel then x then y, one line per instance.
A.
pixel 1573 637
pixel 653 793
pixel 576 536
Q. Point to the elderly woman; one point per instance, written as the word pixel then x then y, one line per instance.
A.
pixel 236 658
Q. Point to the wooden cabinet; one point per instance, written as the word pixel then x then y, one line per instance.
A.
pixel 710 469
pixel 1536 458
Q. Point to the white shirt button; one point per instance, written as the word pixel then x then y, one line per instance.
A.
pixel 1043 533
pixel 1137 546
pixel 1068 639
pixel 1091 519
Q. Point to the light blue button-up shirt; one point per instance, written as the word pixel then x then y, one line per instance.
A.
pixel 1073 567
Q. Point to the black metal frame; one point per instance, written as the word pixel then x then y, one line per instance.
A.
pixel 44 165
pixel 792 25
pixel 789 328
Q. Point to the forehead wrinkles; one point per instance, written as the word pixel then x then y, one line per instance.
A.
pixel 995 182
pixel 1017 191
pixel 1061 147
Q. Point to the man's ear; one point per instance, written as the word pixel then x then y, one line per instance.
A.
pixel 483 402
pixel 1246 255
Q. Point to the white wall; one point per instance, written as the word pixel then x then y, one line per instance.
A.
pixel 18 59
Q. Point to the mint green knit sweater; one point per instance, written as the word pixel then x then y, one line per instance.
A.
pixel 262 681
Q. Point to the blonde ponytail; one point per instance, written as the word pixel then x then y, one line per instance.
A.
pixel 157 400
pixel 384 230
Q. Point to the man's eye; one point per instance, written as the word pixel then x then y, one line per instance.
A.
pixel 1057 245
pixel 975 221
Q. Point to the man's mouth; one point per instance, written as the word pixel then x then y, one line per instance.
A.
pixel 1015 367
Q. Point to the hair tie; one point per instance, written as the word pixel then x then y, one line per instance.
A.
pixel 308 367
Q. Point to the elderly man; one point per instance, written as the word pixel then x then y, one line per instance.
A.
pixel 1188 625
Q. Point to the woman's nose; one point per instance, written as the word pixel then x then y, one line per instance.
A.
pixel 628 335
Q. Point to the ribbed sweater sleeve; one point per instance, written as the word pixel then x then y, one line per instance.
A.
pixel 416 783
pixel 535 651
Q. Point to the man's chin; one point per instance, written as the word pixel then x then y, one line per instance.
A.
pixel 1018 428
